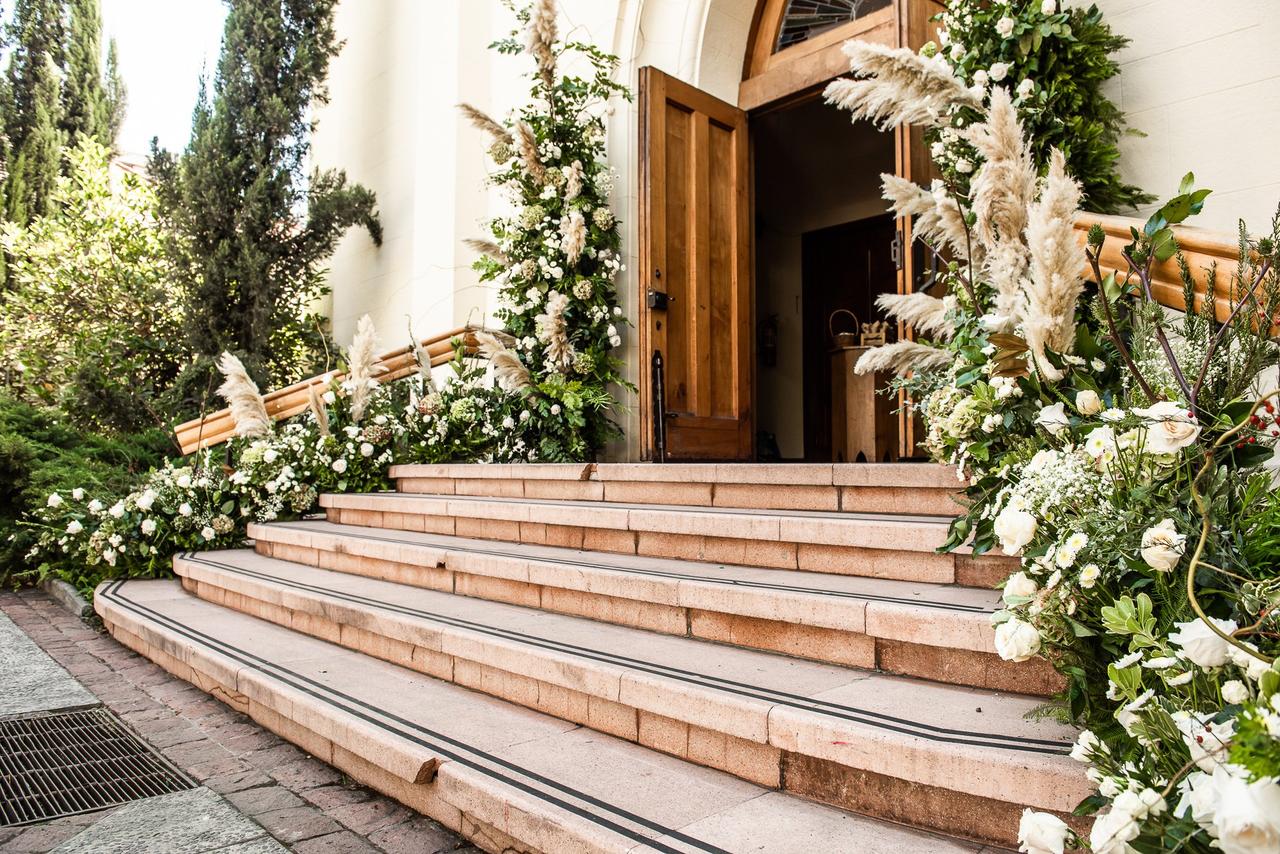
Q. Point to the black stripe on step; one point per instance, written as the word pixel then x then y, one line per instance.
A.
pixel 457 750
pixel 653 573
pixel 878 720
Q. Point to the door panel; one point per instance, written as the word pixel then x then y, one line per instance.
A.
pixel 695 249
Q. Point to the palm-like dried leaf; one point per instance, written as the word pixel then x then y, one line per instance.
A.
pixel 927 314
pixel 508 369
pixel 902 357
pixel 897 86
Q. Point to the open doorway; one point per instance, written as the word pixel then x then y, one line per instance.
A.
pixel 823 252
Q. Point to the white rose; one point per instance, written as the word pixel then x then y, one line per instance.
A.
pixel 1014 528
pixel 1207 742
pixel 1162 546
pixel 938 149
pixel 1087 744
pixel 1199 796
pixel 351 430
pixel 1200 644
pixel 208 533
pixel 366 449
pixel 74 527
pixel 270 455
pixel 1088 402
pixel 1089 576
pixel 117 510
pixel 1234 692
pixel 1112 833
pixel 1253 666
pixel 1170 427
pixel 999 71
pixel 339 465
pixel 184 482
pixel 55 500
pixel 1017 640
pixel 1054 419
pixel 981 78
pixel 957 51
pixel 1247 820
pixel 964 166
pixel 330 398
pixel 1049 7
pixel 77 494
pixel 1025 88
pixel 555 409
pixel 148 526
pixel 146 499
pixel 95 506
pixel 184 509
pixel 1041 833
pixel 1004 26
pixel 1019 585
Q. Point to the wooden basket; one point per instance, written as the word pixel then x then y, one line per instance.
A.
pixel 843 339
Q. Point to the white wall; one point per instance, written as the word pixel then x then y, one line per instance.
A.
pixel 1202 79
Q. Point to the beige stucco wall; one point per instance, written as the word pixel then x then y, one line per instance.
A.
pixel 1201 79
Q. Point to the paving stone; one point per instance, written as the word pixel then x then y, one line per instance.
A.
pixel 305 774
pixel 297 823
pixel 418 835
pixel 343 842
pixel 273 757
pixel 238 780
pixel 332 797
pixel 188 822
pixel 31 681
pixel 264 799
pixel 370 816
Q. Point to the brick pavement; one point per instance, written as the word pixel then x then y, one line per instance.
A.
pixel 305 804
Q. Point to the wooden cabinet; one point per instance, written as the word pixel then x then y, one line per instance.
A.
pixel 864 428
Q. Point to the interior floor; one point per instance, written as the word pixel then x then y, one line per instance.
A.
pixel 823 245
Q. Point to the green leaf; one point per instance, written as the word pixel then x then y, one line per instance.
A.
pixel 1163 244
pixel 1110 288
pixel 1188 181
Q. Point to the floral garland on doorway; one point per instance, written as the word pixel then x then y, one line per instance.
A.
pixel 1122 456
pixel 554 260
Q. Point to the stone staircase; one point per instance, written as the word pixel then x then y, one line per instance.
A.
pixel 633 657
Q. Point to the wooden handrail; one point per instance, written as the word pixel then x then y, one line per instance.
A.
pixel 1201 247
pixel 217 427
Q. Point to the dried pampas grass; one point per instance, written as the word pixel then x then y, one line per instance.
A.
pixel 508 369
pixel 553 331
pixel 897 85
pixel 243 398
pixel 482 121
pixel 318 408
pixel 574 176
pixel 927 314
pixel 542 38
pixel 573 236
pixel 1056 261
pixel 527 147
pixel 487 247
pixel 901 358
pixel 1005 186
pixel 362 367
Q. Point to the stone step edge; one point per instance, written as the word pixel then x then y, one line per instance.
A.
pixel 910 475
pixel 331 616
pixel 858 531
pixel 486 808
pixel 930 624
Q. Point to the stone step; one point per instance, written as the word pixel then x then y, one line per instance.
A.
pixel 508 778
pixel 864 544
pixel 859 487
pixel 959 751
pixel 932 631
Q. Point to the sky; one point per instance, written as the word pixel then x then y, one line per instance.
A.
pixel 163 45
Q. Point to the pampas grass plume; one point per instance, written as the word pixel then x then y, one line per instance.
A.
pixel 901 358
pixel 362 367
pixel 243 398
pixel 318 408
pixel 508 369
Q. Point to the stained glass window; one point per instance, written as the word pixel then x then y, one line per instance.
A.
pixel 804 19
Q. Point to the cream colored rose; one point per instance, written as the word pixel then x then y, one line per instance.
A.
pixel 1017 640
pixel 1170 428
pixel 1042 833
pixel 1200 644
pixel 1088 402
pixel 1014 528
pixel 1247 819
pixel 1019 586
pixel 1054 419
pixel 1112 833
pixel 1162 546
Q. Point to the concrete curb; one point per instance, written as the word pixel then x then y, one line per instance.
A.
pixel 66 596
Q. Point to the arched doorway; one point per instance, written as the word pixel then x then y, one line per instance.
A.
pixel 757 220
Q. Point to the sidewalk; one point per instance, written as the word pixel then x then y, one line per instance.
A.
pixel 260 791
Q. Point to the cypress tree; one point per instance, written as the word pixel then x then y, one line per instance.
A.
pixel 251 227
pixel 116 95
pixel 83 98
pixel 33 115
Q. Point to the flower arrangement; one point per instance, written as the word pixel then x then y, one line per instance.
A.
pixel 1055 57
pixel 1123 456
pixel 554 260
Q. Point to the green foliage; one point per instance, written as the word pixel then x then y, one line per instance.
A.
pixel 251 228
pixel 1067 57
pixel 42 452
pixel 87 108
pixel 90 322
pixel 32 106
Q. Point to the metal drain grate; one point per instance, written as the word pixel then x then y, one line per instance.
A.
pixel 66 763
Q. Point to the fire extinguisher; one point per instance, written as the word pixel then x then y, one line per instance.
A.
pixel 769 341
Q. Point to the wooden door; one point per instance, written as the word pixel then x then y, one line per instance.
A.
pixel 695 273
pixel 915 27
